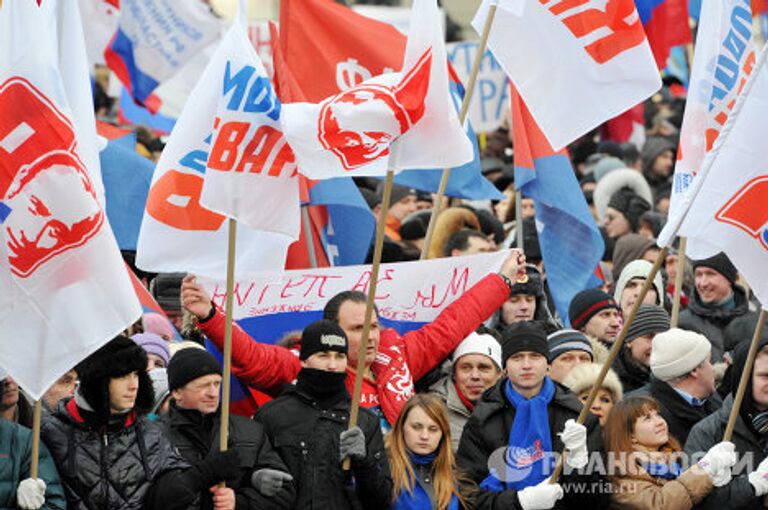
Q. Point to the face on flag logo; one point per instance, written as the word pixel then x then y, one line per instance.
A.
pixel 359 124
pixel 746 209
pixel 41 174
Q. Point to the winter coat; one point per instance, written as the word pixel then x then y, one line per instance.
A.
pixel 129 466
pixel 723 328
pixel 15 458
pixel 488 430
pixel 401 360
pixel 739 493
pixel 676 411
pixel 642 491
pixel 307 438
pixel 458 413
pixel 195 436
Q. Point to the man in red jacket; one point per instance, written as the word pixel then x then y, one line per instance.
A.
pixel 393 362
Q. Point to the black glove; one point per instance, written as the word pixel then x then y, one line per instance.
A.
pixel 218 467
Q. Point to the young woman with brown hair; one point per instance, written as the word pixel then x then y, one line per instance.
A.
pixel 647 458
pixel 421 459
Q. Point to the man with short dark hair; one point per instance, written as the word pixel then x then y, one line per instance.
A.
pixel 467 242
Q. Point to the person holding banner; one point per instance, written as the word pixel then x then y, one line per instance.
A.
pixel 308 424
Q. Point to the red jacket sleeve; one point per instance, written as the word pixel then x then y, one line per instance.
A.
pixel 428 346
pixel 262 366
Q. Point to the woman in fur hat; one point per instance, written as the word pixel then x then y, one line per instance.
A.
pixel 581 379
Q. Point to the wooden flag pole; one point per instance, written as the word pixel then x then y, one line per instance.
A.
pixel 519 218
pixel 308 235
pixel 615 349
pixel 679 273
pixel 745 377
pixel 226 375
pixel 437 208
pixel 369 305
pixel 36 418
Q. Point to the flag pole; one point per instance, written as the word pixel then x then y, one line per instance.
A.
pixel 745 376
pixel 36 418
pixel 308 236
pixel 519 218
pixel 437 208
pixel 678 282
pixel 225 383
pixel 369 305
pixel 615 349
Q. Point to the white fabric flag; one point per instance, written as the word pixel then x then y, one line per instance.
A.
pixel 725 208
pixel 65 291
pixel 724 59
pixel 394 121
pixel 230 128
pixel 575 64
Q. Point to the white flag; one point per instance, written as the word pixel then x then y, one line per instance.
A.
pixel 575 64
pixel 65 291
pixel 394 121
pixel 725 56
pixel 725 208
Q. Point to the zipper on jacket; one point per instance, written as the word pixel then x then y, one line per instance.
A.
pixel 104 467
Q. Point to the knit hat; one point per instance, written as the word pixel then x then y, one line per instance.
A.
pixel 398 193
pixel 322 335
pixel 523 336
pixel 153 344
pixel 638 269
pixel 650 319
pixel 477 343
pixel 586 304
pixel 166 289
pixel 607 165
pixel 567 340
pixel 584 376
pixel 189 364
pixel 632 206
pixel 530 284
pixel 676 352
pixel 719 263
pixel 157 324
pixel 629 247
pixel 414 226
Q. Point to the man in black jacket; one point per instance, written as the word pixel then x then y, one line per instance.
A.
pixel 193 425
pixel 308 425
pixel 508 443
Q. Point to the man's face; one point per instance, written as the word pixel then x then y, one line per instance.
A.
pixel 122 392
pixel 664 163
pixel 475 245
pixel 566 362
pixel 604 325
pixel 405 206
pixel 201 394
pixel 527 208
pixel 475 373
pixel 706 373
pixel 10 395
pixel 518 308
pixel 760 380
pixel 631 292
pixel 330 361
pixel 526 371
pixel 640 349
pixel 63 387
pixel 712 286
pixel 176 317
pixel 351 319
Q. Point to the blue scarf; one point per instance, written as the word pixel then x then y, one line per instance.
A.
pixel 665 471
pixel 419 500
pixel 528 460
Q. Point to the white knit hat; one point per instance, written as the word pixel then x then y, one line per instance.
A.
pixel 638 269
pixel 477 343
pixel 676 352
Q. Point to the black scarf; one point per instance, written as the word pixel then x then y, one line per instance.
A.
pixel 328 388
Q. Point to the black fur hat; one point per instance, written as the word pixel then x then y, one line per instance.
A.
pixel 117 358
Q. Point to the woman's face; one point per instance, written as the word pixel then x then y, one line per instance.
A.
pixel 616 224
pixel 601 406
pixel 422 434
pixel 651 431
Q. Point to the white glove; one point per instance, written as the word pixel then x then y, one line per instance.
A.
pixel 31 494
pixel 718 461
pixel 540 497
pixel 759 478
pixel 574 437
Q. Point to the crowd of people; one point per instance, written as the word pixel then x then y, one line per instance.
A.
pixel 472 410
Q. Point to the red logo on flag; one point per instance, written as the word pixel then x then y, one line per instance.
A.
pixel 746 209
pixel 359 124
pixel 46 188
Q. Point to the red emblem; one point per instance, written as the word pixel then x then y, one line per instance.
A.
pixel 747 211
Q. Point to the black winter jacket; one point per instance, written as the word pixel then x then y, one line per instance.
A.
pixel 195 436
pixel 127 466
pixel 307 439
pixel 488 430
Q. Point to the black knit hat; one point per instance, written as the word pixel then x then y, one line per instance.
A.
pixel 719 263
pixel 189 364
pixel 399 192
pixel 631 205
pixel 322 335
pixel 586 304
pixel 523 336
pixel 650 319
pixel 530 284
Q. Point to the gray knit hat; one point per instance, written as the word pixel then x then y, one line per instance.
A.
pixel 650 319
pixel 566 340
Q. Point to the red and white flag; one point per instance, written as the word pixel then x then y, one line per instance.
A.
pixel 725 209
pixel 589 58
pixel 394 121
pixel 65 291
